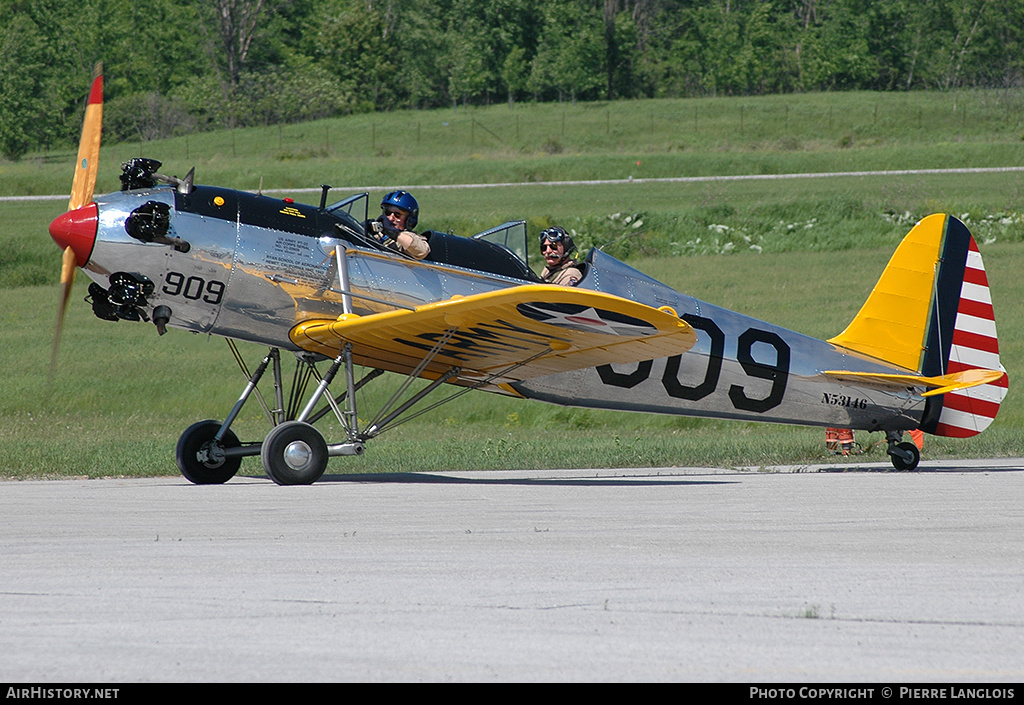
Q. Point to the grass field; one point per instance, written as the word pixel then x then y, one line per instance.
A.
pixel 802 253
pixel 554 142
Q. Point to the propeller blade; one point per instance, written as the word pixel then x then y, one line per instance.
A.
pixel 67 283
pixel 82 187
pixel 89 147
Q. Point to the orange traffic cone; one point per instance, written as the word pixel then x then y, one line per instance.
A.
pixel 917 436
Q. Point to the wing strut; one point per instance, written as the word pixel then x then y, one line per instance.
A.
pixel 340 253
pixel 345 287
pixel 477 385
pixel 378 420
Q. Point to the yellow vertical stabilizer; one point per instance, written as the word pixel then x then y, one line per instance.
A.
pixel 893 322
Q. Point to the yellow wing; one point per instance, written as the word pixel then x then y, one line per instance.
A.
pixel 511 334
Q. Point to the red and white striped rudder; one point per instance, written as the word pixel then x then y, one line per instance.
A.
pixel 962 336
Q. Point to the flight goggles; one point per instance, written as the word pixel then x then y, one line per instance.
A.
pixel 553 235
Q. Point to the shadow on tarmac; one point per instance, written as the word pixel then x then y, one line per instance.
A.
pixel 427 478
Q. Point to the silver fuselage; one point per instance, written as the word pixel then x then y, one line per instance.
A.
pixel 255 266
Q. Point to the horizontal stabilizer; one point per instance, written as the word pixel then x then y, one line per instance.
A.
pixel 943 384
pixel 506 335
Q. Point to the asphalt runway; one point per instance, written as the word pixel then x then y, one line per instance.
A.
pixel 820 574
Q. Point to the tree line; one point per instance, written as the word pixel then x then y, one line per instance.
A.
pixel 178 66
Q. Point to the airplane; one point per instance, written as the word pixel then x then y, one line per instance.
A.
pixel 922 353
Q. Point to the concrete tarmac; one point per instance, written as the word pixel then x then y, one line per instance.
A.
pixel 820 574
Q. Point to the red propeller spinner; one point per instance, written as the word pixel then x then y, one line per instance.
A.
pixel 77 229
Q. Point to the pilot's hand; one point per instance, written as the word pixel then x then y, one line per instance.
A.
pixel 387 228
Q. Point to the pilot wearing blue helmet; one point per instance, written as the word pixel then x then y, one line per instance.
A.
pixel 394 228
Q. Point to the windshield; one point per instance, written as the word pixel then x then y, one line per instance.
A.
pixel 355 206
pixel 510 235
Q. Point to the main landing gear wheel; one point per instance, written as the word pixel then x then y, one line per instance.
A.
pixel 201 459
pixel 294 453
pixel 905 456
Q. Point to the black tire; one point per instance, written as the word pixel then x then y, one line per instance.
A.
pixel 197 438
pixel 901 463
pixel 294 453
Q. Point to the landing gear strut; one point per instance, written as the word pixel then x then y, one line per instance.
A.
pixel 294 452
pixel 904 455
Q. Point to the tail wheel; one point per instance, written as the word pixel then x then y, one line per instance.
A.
pixel 905 456
pixel 201 459
pixel 294 453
